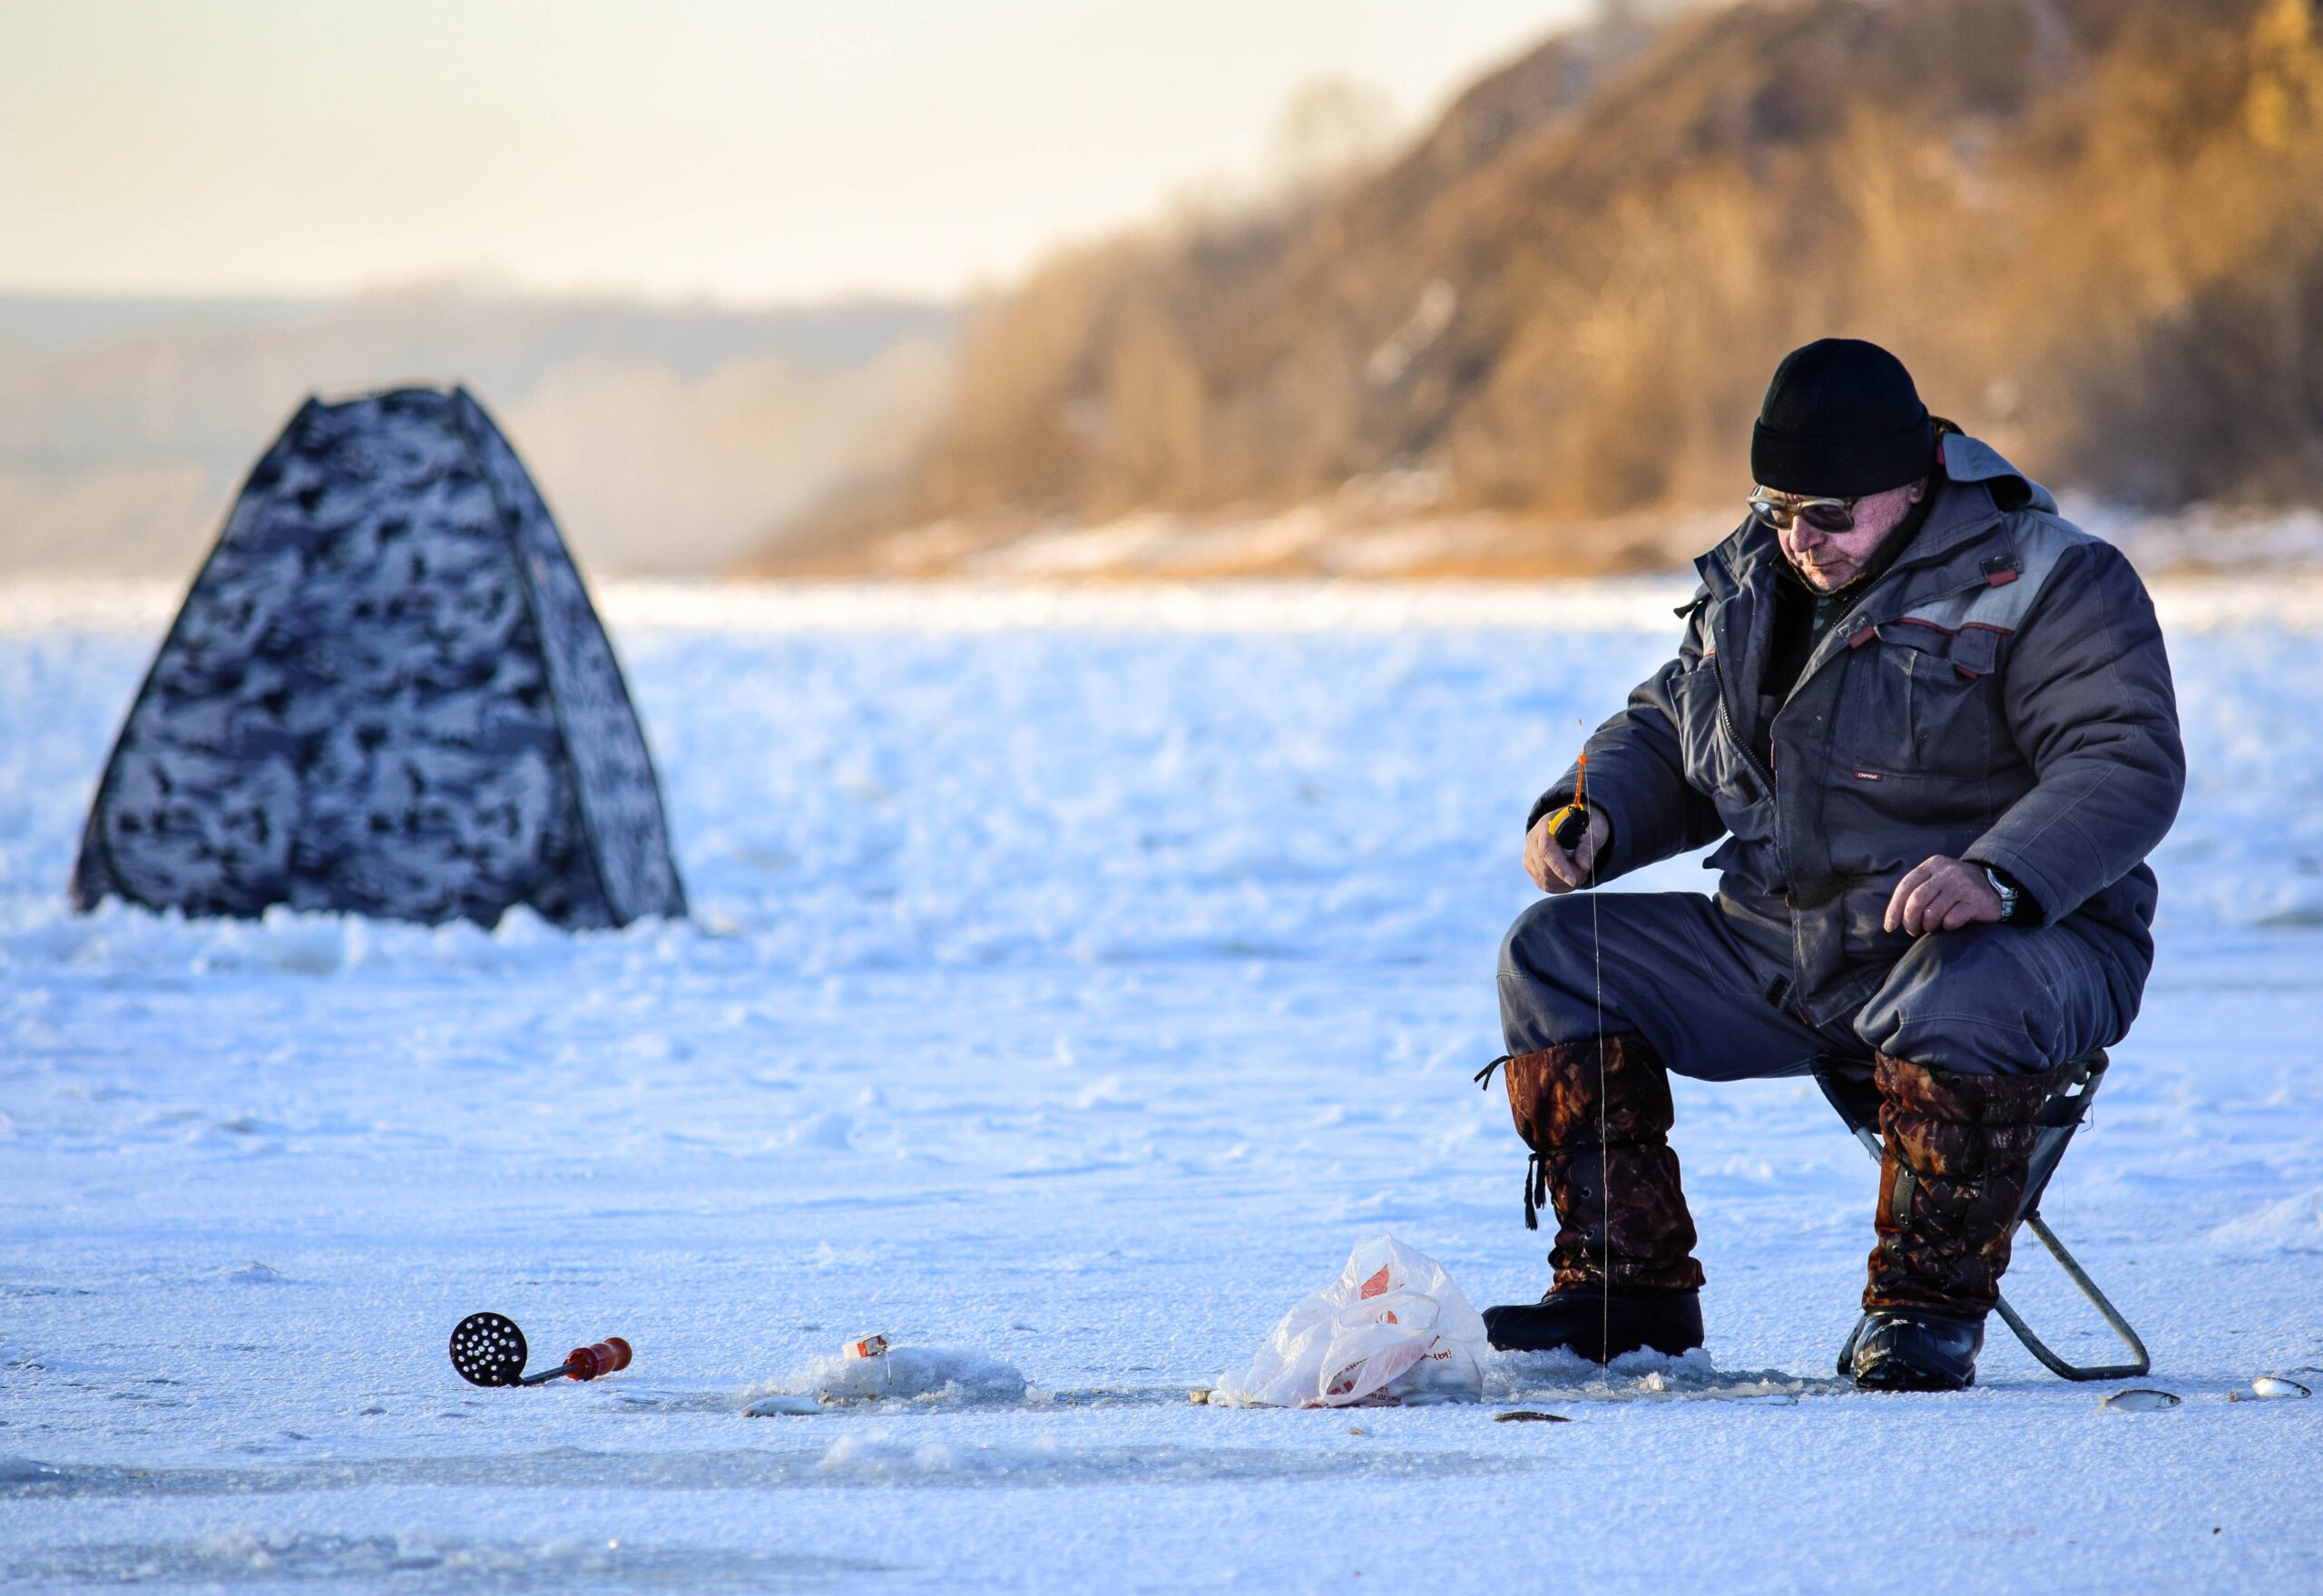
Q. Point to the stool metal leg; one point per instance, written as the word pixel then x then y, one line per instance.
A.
pixel 2104 1305
pixel 2056 1364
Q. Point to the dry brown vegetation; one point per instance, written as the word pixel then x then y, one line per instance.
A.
pixel 2092 227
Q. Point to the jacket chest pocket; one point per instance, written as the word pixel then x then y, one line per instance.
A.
pixel 1921 700
pixel 1693 695
pixel 1714 763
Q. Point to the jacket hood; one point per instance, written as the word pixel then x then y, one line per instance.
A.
pixel 1967 459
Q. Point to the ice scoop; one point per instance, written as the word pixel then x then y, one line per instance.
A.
pixel 488 1350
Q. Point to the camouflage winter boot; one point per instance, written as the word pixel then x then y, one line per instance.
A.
pixel 1958 1149
pixel 1625 1275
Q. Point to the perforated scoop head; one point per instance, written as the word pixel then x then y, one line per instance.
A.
pixel 488 1350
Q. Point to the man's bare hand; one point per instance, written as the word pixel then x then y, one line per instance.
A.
pixel 1551 867
pixel 1942 894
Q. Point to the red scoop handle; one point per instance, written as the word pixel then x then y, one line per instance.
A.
pixel 586 1363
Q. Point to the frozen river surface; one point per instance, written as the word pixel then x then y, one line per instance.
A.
pixel 1075 991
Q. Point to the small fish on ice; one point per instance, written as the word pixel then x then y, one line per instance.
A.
pixel 2140 1399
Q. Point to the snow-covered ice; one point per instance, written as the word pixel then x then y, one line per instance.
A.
pixel 1073 980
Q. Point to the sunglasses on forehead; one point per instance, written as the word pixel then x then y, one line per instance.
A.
pixel 1779 511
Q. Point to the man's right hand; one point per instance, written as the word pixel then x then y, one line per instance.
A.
pixel 1552 868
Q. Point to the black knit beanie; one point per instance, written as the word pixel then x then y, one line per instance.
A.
pixel 1841 419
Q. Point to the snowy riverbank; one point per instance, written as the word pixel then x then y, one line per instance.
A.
pixel 1077 974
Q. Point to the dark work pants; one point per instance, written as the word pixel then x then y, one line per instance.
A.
pixel 1986 1000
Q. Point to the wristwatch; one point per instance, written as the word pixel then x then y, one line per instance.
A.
pixel 2008 894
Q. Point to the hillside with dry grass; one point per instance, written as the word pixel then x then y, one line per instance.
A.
pixel 1534 341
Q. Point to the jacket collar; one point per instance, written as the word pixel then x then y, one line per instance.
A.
pixel 1979 491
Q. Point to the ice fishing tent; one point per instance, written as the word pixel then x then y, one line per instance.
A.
pixel 387 692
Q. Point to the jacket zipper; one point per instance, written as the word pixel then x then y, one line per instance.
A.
pixel 1726 725
pixel 1774 832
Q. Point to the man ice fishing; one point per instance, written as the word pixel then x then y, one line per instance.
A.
pixel 1933 722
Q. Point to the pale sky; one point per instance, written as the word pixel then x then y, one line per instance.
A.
pixel 744 151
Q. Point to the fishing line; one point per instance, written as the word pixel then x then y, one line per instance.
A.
pixel 1604 1148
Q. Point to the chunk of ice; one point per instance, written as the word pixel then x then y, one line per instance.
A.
pixel 930 1375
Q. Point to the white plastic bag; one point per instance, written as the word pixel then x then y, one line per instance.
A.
pixel 1392 1328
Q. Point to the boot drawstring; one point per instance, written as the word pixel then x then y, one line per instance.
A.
pixel 1536 1189
pixel 1536 1168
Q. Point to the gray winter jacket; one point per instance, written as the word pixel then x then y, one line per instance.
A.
pixel 2000 695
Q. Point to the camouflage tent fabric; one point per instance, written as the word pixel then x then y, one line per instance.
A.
pixel 387 693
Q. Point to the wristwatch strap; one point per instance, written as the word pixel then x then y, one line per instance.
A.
pixel 2008 895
